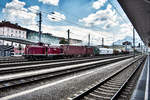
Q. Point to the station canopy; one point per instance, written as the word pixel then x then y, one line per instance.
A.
pixel 138 12
pixel 17 40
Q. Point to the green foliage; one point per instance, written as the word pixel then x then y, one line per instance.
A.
pixel 126 43
pixel 63 41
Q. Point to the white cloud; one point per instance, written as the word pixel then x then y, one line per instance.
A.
pixel 52 2
pixel 82 33
pixel 125 30
pixel 56 17
pixel 107 18
pixel 34 9
pixel 98 4
pixel 17 13
pixel 79 33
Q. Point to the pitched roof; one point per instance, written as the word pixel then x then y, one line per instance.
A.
pixel 11 25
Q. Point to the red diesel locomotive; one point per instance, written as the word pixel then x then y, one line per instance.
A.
pixel 41 51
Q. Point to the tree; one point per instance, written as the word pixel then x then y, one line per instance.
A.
pixel 63 41
pixel 126 43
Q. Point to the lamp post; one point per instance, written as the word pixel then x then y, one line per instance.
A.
pixel 89 40
pixel 40 22
pixel 68 36
pixel 133 42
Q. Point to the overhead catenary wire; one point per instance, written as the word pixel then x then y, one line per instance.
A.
pixel 52 14
pixel 119 14
pixel 55 16
pixel 68 21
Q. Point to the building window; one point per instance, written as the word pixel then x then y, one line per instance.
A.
pixel 16 31
pixel 12 31
pixel 19 31
pixel 8 35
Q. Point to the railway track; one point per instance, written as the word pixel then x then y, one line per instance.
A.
pixel 12 60
pixel 112 87
pixel 17 77
pixel 18 67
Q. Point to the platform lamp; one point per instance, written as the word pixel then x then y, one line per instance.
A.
pixel 133 42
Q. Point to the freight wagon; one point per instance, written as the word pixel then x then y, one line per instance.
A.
pixel 77 51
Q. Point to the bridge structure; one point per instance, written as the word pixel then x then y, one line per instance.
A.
pixel 17 40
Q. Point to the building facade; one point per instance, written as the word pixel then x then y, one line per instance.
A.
pixel 75 41
pixel 7 29
pixel 46 38
pixel 72 41
pixel 6 50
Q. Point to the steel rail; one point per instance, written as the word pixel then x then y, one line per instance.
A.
pixel 93 87
pixel 36 77
pixel 51 65
pixel 123 86
pixel 51 61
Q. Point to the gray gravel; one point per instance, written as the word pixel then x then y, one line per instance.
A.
pixel 63 89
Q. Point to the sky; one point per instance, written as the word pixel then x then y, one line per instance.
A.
pixel 99 18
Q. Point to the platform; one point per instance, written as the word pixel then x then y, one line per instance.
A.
pixel 142 90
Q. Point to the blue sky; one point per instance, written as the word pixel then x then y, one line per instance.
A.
pixel 95 17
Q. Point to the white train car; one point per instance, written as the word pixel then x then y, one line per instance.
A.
pixel 103 51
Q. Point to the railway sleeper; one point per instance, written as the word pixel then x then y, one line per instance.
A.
pixel 109 88
pixel 116 81
pixel 112 85
pixel 98 97
pixel 126 92
pixel 105 90
pixel 87 98
pixel 103 93
pixel 123 97
pixel 129 88
pixel 120 78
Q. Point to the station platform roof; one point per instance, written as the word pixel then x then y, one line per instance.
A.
pixel 17 40
pixel 138 12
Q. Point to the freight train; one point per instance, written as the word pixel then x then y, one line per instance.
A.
pixel 41 51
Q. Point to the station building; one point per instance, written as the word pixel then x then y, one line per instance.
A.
pixel 7 29
pixel 72 41
pixel 46 38
pixel 6 50
pixel 10 30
